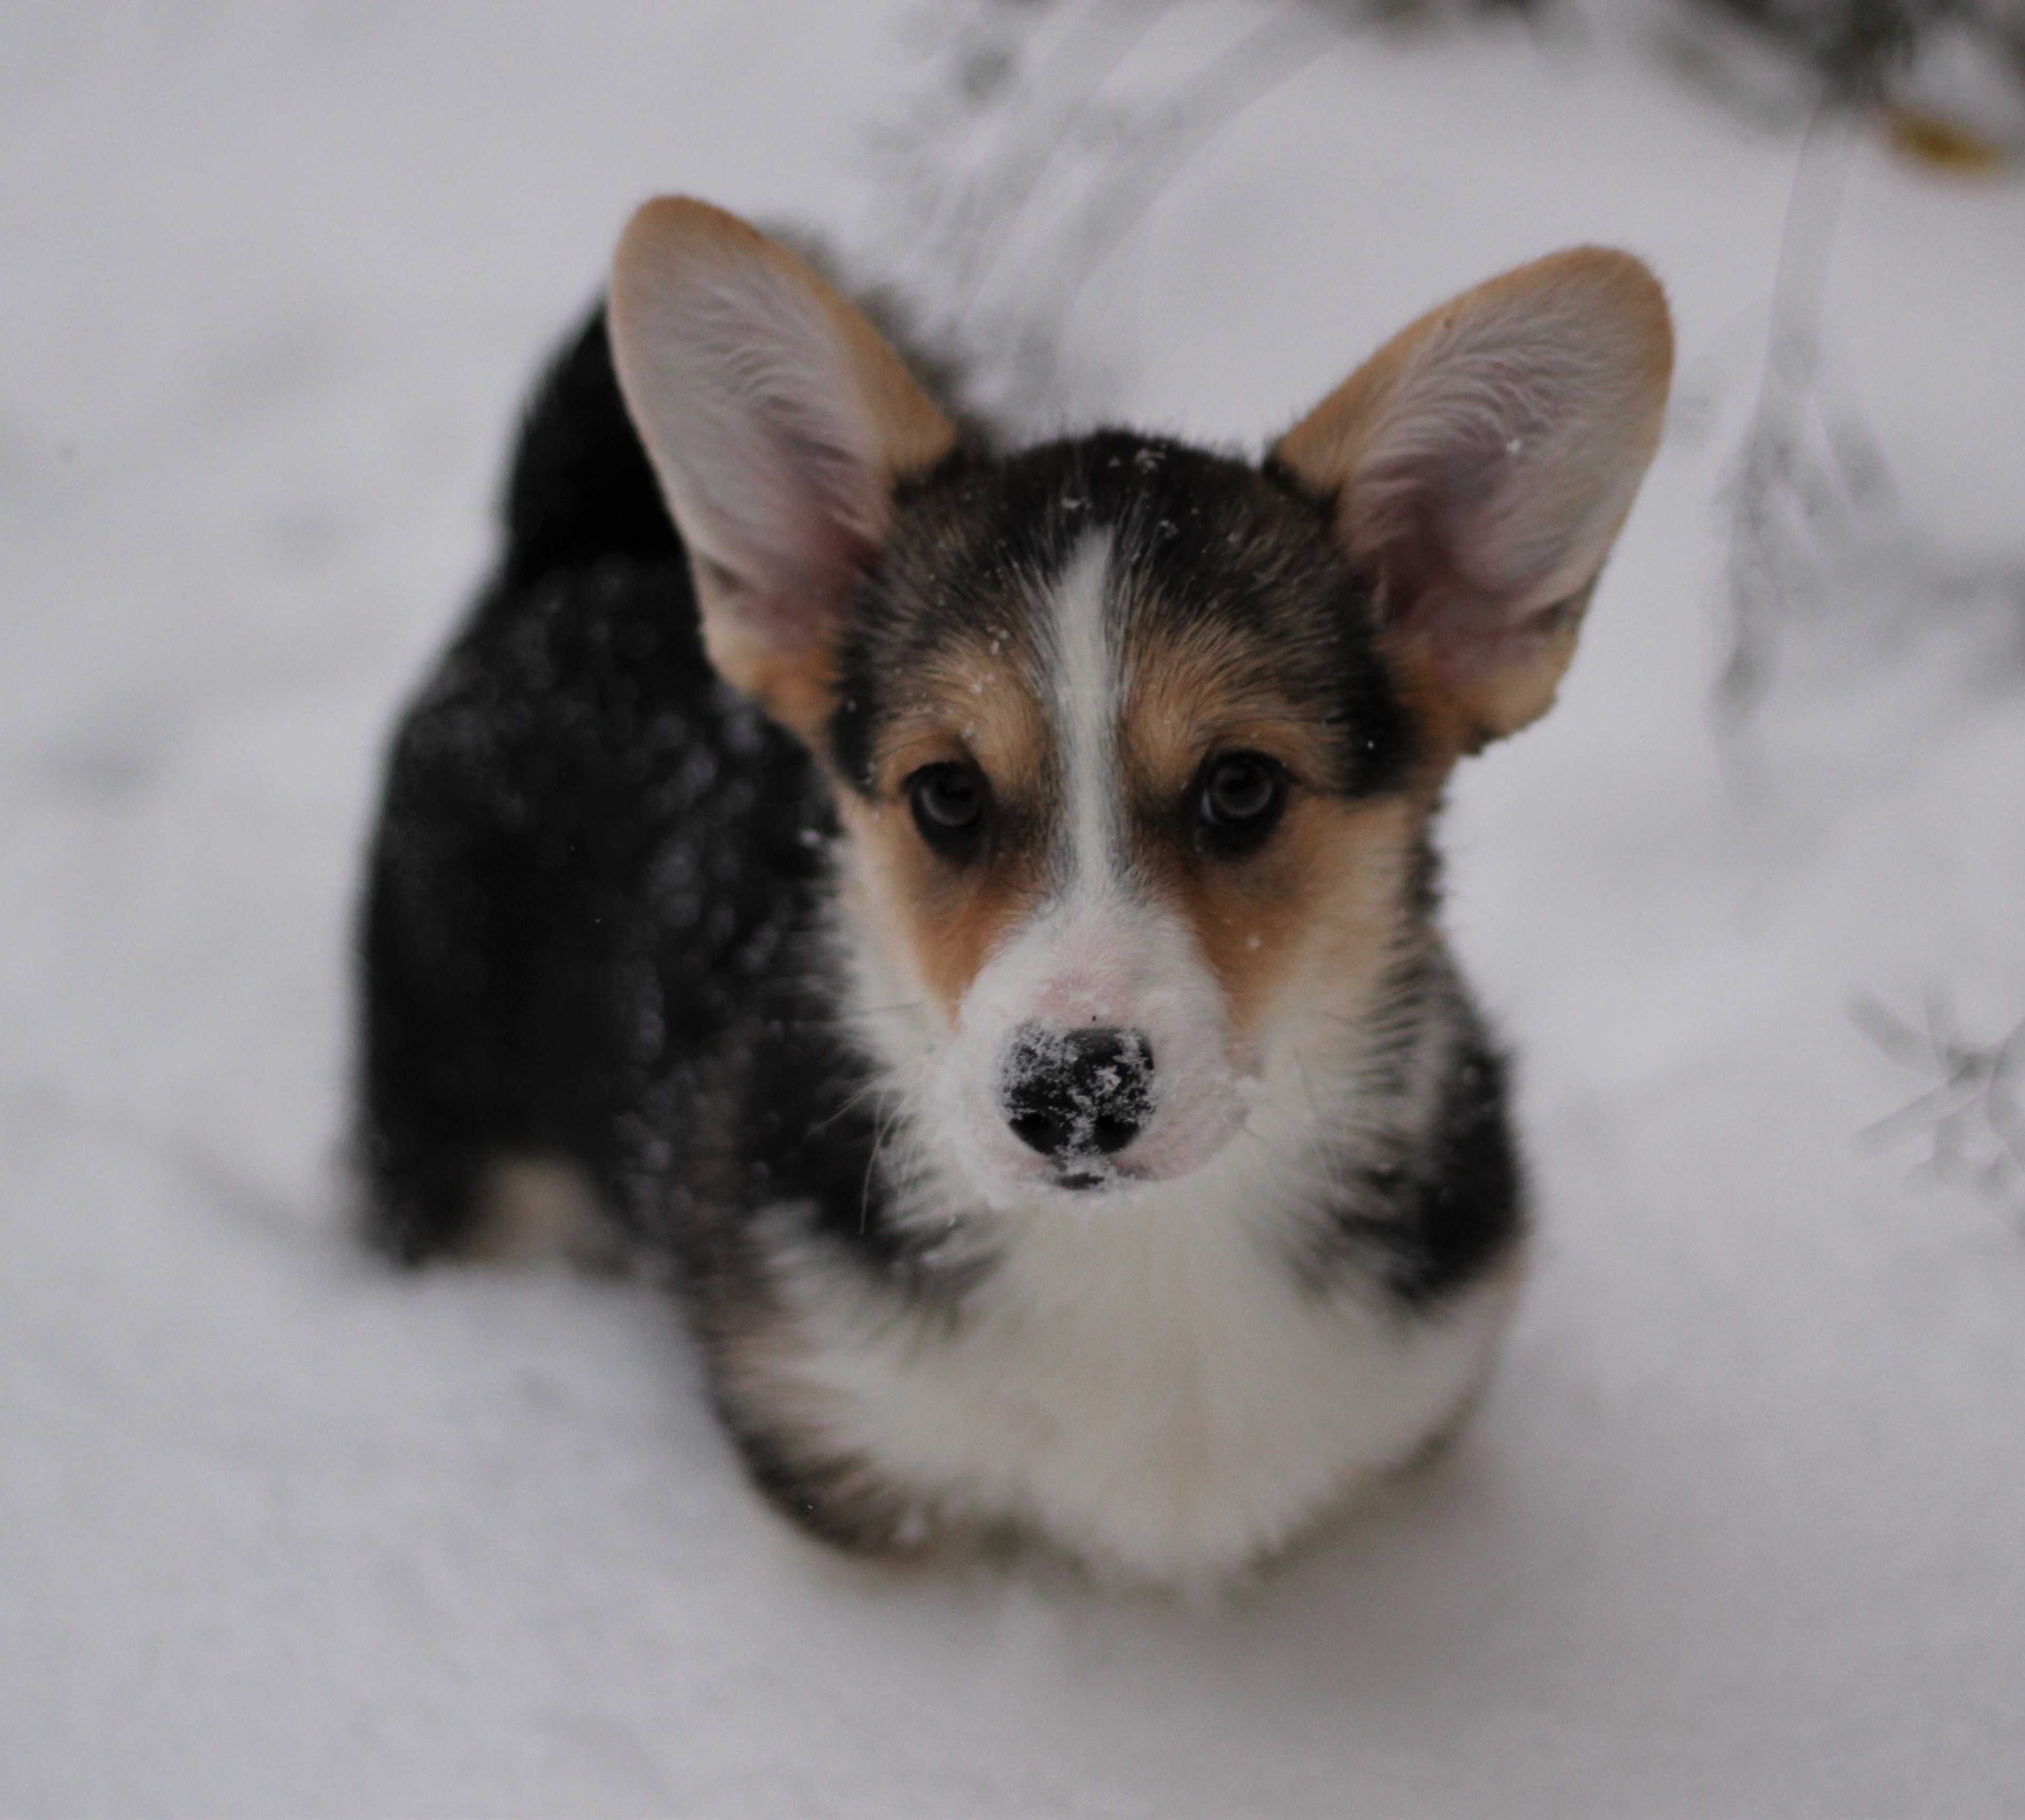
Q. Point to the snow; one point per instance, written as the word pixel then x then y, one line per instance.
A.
pixel 1736 1530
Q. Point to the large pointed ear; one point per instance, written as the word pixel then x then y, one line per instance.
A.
pixel 1481 464
pixel 776 420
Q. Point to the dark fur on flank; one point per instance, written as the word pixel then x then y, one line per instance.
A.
pixel 592 853
pixel 592 926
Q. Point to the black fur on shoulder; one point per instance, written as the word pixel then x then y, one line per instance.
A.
pixel 591 850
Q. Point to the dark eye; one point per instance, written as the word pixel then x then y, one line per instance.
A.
pixel 949 803
pixel 1240 800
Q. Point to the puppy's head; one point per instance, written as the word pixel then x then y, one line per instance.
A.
pixel 1133 745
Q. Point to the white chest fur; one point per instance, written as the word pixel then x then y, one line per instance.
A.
pixel 1149 1385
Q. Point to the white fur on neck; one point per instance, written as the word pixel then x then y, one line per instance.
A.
pixel 1147 1384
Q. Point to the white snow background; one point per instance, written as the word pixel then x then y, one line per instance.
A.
pixel 1741 1529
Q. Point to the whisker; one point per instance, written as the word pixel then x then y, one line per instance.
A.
pixel 863 1094
pixel 872 1163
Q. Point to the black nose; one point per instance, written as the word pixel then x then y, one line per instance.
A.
pixel 1069 1092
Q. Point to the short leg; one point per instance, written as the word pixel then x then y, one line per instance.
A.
pixel 427 1101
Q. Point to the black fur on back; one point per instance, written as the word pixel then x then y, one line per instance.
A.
pixel 591 852
pixel 580 490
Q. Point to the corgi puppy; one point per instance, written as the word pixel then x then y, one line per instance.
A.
pixel 971 912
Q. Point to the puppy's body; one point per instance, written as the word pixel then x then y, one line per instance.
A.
pixel 1039 1065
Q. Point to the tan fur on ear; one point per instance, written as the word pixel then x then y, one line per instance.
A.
pixel 776 420
pixel 1482 461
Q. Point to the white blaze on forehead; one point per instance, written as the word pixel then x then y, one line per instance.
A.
pixel 1097 953
pixel 1085 699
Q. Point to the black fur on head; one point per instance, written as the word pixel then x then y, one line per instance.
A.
pixel 1216 546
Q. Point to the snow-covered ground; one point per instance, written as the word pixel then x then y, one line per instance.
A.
pixel 1738 1530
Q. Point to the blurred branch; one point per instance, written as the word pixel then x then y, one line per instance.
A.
pixel 1794 492
pixel 1031 157
pixel 1857 46
pixel 1821 559
pixel 1970 1117
pixel 1945 79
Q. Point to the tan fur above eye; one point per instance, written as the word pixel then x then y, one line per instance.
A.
pixel 1001 730
pixel 1194 693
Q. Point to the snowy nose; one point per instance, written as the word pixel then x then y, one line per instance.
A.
pixel 1076 1092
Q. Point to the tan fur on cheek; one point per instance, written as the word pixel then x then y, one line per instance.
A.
pixel 1314 918
pixel 940 922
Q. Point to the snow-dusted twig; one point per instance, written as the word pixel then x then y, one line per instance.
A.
pixel 1970 1117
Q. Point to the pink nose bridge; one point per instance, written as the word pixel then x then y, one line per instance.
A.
pixel 1092 977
